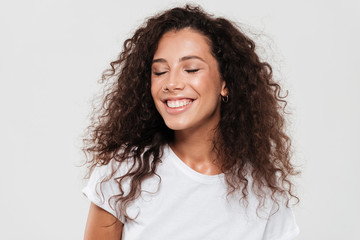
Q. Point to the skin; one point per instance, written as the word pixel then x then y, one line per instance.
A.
pixel 102 225
pixel 184 68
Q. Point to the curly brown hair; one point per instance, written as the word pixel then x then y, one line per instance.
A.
pixel 251 134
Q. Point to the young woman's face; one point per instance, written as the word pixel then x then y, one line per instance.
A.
pixel 185 81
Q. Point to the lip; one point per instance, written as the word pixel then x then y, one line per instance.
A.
pixel 175 98
pixel 177 110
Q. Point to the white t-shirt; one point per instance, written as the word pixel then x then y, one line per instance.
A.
pixel 188 205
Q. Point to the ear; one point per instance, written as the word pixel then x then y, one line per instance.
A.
pixel 224 89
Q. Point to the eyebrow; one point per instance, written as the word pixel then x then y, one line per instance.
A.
pixel 162 60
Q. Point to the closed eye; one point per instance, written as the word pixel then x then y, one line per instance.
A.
pixel 192 70
pixel 159 73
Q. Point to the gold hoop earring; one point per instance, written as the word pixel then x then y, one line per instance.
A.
pixel 225 99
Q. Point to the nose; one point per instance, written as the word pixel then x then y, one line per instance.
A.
pixel 174 82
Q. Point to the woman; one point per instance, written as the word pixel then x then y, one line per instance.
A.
pixel 189 142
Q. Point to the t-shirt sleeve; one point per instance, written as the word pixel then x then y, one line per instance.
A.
pixel 100 192
pixel 281 224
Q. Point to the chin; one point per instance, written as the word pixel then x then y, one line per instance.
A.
pixel 176 126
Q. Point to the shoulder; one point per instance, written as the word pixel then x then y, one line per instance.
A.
pixel 281 224
pixel 103 184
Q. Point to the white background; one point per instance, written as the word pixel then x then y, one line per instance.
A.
pixel 53 52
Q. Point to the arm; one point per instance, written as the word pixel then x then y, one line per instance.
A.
pixel 102 225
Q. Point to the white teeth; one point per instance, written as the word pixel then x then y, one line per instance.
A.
pixel 178 103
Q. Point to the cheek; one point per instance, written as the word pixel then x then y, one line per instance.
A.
pixel 200 82
pixel 153 90
pixel 154 94
pixel 206 84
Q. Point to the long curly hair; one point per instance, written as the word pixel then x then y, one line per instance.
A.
pixel 251 139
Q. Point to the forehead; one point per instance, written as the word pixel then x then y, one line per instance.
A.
pixel 186 41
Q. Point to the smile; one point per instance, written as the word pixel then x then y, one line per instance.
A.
pixel 178 103
pixel 178 106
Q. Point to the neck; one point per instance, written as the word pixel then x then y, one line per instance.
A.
pixel 196 150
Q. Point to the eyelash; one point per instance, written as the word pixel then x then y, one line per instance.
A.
pixel 188 71
pixel 192 70
pixel 159 73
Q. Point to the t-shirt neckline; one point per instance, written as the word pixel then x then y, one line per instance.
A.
pixel 203 178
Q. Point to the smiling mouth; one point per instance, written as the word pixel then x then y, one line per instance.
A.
pixel 178 103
